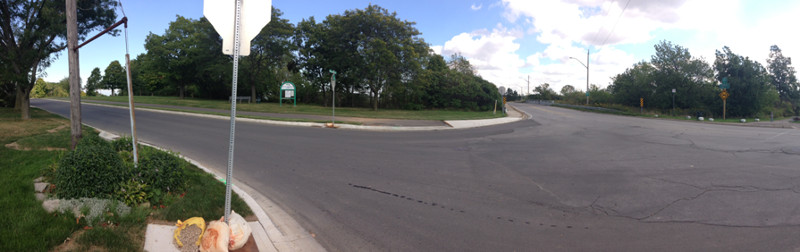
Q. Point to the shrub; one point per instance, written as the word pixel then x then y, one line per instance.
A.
pixel 93 169
pixel 93 140
pixel 122 144
pixel 162 171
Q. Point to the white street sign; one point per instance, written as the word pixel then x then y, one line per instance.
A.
pixel 222 15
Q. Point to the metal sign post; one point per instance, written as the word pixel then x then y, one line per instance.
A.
pixel 245 28
pixel 641 105
pixel 333 95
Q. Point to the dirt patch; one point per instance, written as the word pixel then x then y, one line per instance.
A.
pixel 57 128
pixel 16 146
pixel 70 243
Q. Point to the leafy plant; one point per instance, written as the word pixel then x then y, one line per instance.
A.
pixel 132 192
pixel 163 171
pixel 93 169
pixel 122 144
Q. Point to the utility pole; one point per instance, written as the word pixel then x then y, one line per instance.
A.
pixel 74 74
pixel 587 76
pixel 587 73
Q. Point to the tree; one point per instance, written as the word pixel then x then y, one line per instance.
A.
pixel 270 52
pixel 114 78
pixel 94 82
pixel 544 92
pixel 31 35
pixel 783 78
pixel 372 50
pixel 674 67
pixel 750 89
pixel 187 57
pixel 567 89
pixel 41 89
pixel 635 83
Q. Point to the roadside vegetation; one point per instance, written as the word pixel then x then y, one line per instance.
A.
pixel 163 188
pixel 310 109
pixel 754 91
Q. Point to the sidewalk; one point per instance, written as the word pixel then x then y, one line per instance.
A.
pixel 374 124
pixel 275 230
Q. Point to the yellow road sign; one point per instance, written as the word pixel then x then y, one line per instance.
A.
pixel 641 102
pixel 724 95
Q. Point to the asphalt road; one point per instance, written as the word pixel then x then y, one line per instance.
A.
pixel 563 181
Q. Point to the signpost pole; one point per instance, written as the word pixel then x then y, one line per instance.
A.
pixel 333 97
pixel 228 178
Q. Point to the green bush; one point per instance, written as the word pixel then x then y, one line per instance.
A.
pixel 122 144
pixel 93 140
pixel 162 171
pixel 92 170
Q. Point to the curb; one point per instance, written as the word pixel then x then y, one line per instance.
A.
pixel 453 124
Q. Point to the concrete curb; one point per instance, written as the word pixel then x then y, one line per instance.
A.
pixel 454 124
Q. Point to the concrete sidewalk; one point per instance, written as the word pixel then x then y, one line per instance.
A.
pixel 373 124
pixel 275 230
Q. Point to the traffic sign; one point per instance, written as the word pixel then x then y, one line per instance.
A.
pixel 641 102
pixel 724 95
pixel 255 14
pixel 725 84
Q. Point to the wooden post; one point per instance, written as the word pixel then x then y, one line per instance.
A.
pixel 74 74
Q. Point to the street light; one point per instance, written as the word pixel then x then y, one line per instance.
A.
pixel 587 73
pixel 673 102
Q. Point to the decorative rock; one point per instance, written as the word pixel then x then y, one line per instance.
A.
pixel 40 187
pixel 710 119
pixel 51 205
pixel 40 196
pixel 689 117
pixel 39 179
pixel 757 120
pixel 701 118
pixel 656 116
pixel 743 120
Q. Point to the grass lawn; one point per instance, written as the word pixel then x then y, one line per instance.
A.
pixel 441 114
pixel 28 227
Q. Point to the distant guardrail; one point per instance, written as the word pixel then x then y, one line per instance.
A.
pixel 541 102
pixel 588 107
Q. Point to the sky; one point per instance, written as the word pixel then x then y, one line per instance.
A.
pixel 509 41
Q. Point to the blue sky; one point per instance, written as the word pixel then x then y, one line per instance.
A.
pixel 508 40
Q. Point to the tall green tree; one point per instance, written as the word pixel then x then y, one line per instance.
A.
pixel 372 50
pixel 94 82
pixel 635 83
pixel 750 89
pixel 674 67
pixel 783 77
pixel 270 53
pixel 32 33
pixel 114 77
pixel 187 57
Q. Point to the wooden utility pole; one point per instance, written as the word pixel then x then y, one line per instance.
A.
pixel 74 74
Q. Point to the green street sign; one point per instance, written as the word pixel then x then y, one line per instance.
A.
pixel 724 84
pixel 587 93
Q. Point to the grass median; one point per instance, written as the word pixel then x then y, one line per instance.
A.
pixel 31 148
pixel 307 109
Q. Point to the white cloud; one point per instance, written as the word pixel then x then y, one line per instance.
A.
pixel 476 7
pixel 492 53
pixel 566 28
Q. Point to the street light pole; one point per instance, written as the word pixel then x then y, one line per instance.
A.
pixel 673 102
pixel 587 73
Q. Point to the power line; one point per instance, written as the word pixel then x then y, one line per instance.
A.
pixel 601 27
pixel 615 23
